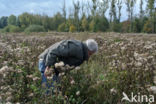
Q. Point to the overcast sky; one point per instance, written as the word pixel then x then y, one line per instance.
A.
pixel 48 7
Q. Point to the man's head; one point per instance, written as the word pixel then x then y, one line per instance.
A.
pixel 92 46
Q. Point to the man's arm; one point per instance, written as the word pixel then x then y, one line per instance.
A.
pixel 54 54
pixel 46 70
pixel 51 59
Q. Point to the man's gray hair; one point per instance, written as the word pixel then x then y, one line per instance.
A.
pixel 92 45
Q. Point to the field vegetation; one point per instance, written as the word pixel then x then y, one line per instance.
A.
pixel 124 63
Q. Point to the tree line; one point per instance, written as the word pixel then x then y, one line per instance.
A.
pixel 88 16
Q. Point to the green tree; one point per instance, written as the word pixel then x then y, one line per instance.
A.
pixel 37 19
pixel 64 10
pixel 150 7
pixel 76 15
pixel 46 22
pixel 151 10
pixel 141 9
pixel 104 5
pixel 3 22
pixel 72 28
pixel 57 20
pixel 100 23
pixel 125 26
pixel 141 15
pixel 130 7
pixel 94 7
pixel 12 20
pixel 92 26
pixel 137 27
pixel 113 11
pixel 84 23
pixel 18 22
pixel 119 6
pixel 25 20
pixel 148 27
pixel 63 27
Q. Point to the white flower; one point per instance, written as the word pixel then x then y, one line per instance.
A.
pixel 138 64
pixel 121 44
pixel 115 55
pixel 4 75
pixel 152 89
pixel 31 95
pixel 49 77
pixel 136 54
pixel 8 93
pixel 19 71
pixel 21 62
pixel 62 74
pixel 69 67
pixel 29 76
pixel 58 65
pixel 123 48
pixel 123 65
pixel 148 47
pixel 139 59
pixel 3 69
pixel 11 90
pixel 77 68
pixel 8 103
pixel 113 91
pixel 72 82
pixel 9 98
pixel 78 93
pixel 35 78
pixel 150 57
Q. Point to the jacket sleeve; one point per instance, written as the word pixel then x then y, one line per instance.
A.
pixel 54 54
pixel 50 59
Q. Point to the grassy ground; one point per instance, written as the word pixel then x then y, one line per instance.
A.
pixel 124 63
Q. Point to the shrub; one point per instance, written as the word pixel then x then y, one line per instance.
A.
pixel 11 28
pixel 137 25
pixel 148 27
pixel 72 28
pixel 34 28
pixel 125 26
pixel 63 28
pixel 99 24
pixel 84 24
pixel 117 27
pixel 92 26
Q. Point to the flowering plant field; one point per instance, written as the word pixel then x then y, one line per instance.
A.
pixel 124 63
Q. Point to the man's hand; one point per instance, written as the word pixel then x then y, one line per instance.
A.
pixel 48 71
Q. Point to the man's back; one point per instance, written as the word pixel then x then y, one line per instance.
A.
pixel 72 52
